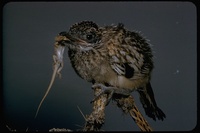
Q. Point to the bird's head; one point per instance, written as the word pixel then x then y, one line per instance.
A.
pixel 82 36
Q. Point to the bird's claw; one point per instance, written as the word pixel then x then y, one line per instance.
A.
pixel 104 90
pixel 109 90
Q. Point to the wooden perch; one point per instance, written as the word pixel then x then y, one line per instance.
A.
pixel 96 119
pixel 127 105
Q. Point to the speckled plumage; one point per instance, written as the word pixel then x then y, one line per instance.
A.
pixel 114 57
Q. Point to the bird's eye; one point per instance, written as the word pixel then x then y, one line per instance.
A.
pixel 89 37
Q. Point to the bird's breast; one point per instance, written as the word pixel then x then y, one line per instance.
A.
pixel 89 65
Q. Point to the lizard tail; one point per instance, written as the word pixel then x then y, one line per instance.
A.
pixel 49 87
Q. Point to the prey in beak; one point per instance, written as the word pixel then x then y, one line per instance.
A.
pixel 72 42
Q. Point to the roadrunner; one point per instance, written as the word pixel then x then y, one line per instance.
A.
pixel 112 58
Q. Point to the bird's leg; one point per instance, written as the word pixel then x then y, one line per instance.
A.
pixel 104 90
pixel 109 90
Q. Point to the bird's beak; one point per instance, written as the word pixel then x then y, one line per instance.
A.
pixel 65 38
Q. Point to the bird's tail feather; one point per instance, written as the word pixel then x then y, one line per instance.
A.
pixel 149 104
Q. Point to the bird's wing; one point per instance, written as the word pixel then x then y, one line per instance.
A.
pixel 123 66
pixel 130 56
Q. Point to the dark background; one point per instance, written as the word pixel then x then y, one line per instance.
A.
pixel 29 30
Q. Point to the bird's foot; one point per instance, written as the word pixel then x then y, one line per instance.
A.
pixel 109 90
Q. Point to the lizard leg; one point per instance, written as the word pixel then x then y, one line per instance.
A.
pixel 58 65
